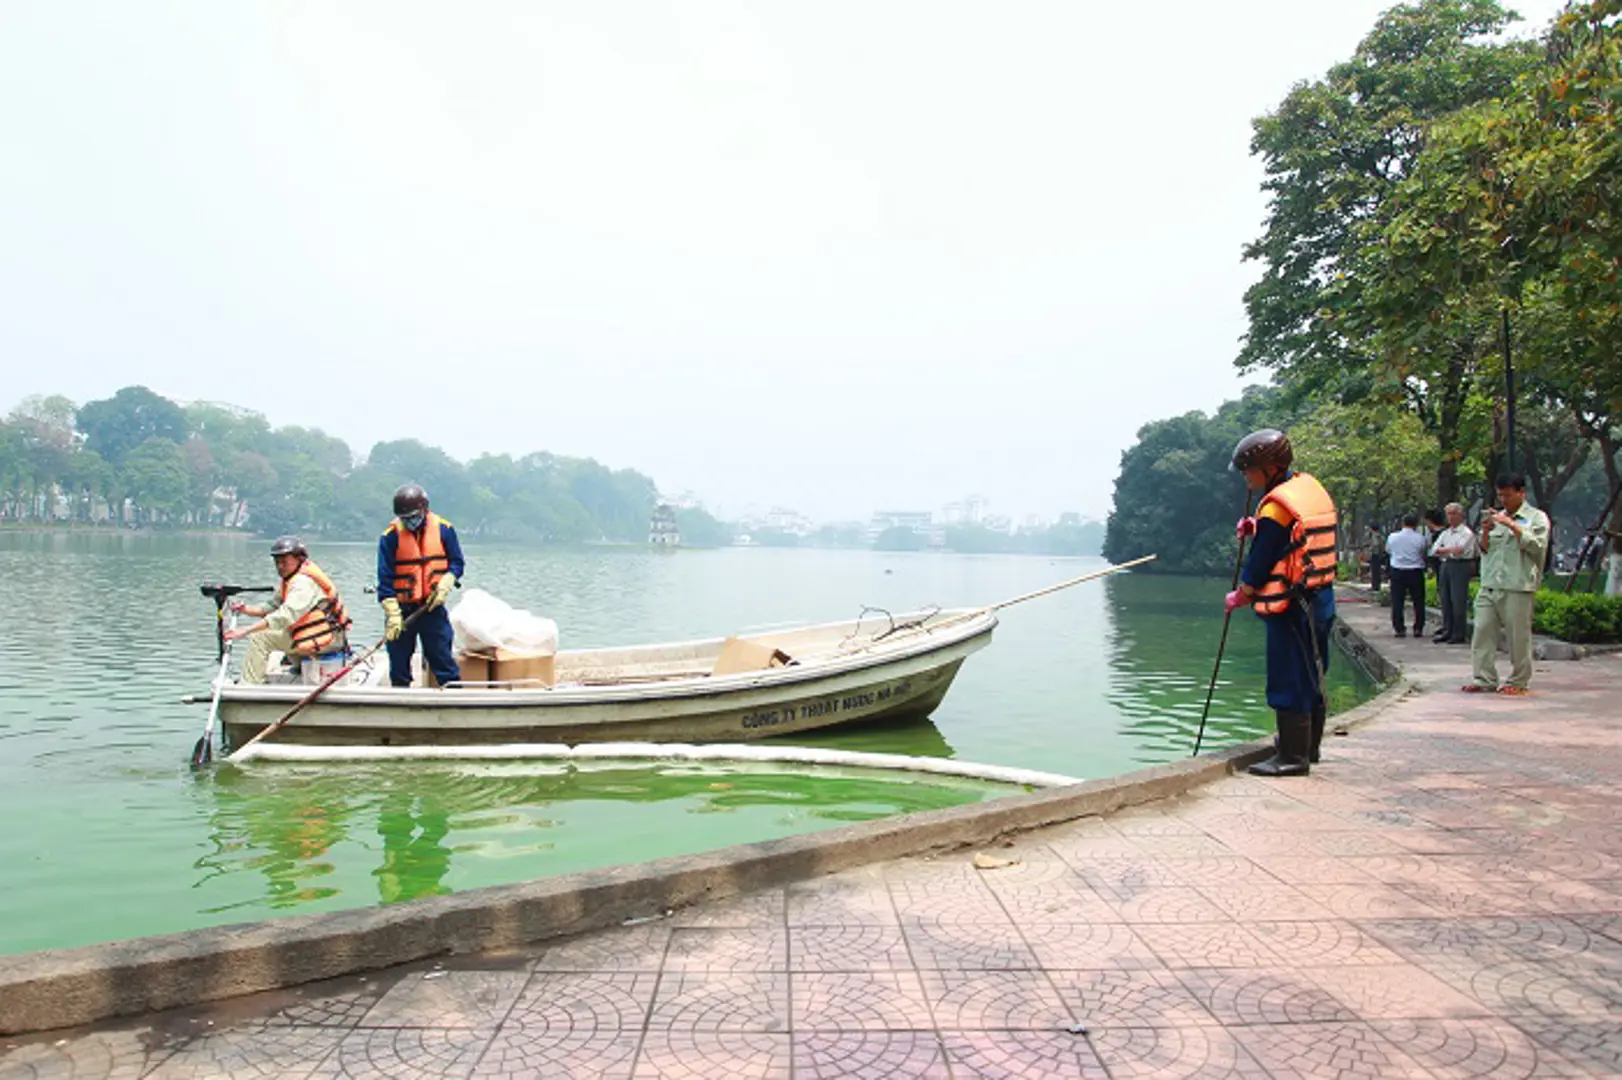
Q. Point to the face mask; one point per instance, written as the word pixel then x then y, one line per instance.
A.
pixel 413 521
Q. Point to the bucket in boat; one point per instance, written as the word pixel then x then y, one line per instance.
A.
pixel 318 669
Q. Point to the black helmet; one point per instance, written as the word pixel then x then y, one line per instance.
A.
pixel 409 497
pixel 289 545
pixel 1267 449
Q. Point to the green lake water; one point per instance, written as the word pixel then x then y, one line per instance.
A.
pixel 105 833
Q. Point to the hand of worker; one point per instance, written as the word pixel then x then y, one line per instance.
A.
pixel 392 621
pixel 1235 599
pixel 236 633
pixel 239 606
pixel 442 591
pixel 1245 527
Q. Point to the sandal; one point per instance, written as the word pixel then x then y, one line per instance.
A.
pixel 1514 691
pixel 1475 688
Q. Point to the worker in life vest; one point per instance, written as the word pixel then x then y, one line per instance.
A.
pixel 308 618
pixel 419 562
pixel 1289 580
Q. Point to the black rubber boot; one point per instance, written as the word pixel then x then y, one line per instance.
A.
pixel 1320 720
pixel 1293 746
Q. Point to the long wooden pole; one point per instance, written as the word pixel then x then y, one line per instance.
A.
pixel 1222 643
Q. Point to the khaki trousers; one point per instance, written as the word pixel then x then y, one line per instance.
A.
pixel 260 646
pixel 1502 615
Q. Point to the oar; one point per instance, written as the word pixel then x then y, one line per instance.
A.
pixel 203 752
pixel 273 728
pixel 1227 617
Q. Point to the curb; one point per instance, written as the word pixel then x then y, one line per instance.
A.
pixel 70 987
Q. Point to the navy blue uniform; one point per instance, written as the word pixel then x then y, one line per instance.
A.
pixel 434 628
pixel 1292 676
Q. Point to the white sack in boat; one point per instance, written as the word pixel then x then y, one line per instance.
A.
pixel 483 621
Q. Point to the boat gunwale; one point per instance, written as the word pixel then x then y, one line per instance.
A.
pixel 930 640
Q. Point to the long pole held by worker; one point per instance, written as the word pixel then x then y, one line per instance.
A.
pixel 272 728
pixel 1222 643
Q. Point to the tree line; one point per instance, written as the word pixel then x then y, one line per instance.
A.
pixel 1444 221
pixel 138 458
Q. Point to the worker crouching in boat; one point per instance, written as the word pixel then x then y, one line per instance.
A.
pixel 308 618
pixel 419 561
pixel 1289 580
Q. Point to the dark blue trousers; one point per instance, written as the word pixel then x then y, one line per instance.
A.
pixel 1292 675
pixel 434 628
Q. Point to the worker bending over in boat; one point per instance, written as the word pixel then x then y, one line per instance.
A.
pixel 308 618
pixel 1289 580
pixel 419 561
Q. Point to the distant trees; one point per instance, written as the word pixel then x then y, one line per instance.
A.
pixel 139 458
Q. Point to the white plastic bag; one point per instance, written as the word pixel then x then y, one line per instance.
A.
pixel 484 622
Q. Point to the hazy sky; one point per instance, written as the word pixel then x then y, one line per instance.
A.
pixel 838 256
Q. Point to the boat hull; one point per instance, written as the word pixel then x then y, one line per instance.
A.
pixel 784 702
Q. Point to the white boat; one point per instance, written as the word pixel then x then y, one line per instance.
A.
pixel 836 673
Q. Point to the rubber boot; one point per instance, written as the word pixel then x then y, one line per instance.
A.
pixel 1294 744
pixel 1320 720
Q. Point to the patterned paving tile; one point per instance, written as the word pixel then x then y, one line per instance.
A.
pixel 572 1024
pixel 710 1055
pixel 967 948
pixel 877 1054
pixel 848 948
pixel 1152 821
pixel 1082 946
pixel 1315 870
pixel 702 1001
pixel 1067 897
pixel 727 949
pixel 1129 999
pixel 625 948
pixel 1178 905
pixel 1518 987
pixel 449 999
pixel 860 1001
pixel 1185 1053
pixel 404 1054
pixel 841 901
pixel 1262 902
pixel 1017 1055
pixel 1393 992
pixel 1320 942
pixel 124 1054
pixel 1366 902
pixel 764 908
pixel 994 1000
pixel 1219 945
pixel 1315 1051
pixel 1121 879
pixel 258 1052
pixel 1463 1049
pixel 1593 1043
pixel 1272 845
pixel 1220 870
pixel 1262 996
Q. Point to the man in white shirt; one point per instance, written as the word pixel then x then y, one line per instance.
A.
pixel 1405 548
pixel 1457 548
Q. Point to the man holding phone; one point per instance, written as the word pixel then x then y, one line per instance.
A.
pixel 1513 540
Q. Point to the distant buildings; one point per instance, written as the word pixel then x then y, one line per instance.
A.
pixel 662 528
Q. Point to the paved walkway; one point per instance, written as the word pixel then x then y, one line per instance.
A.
pixel 1442 897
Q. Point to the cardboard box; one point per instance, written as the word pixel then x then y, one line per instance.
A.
pixel 503 670
pixel 739 655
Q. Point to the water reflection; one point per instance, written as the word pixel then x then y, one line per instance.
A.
pixel 1158 682
pixel 313 833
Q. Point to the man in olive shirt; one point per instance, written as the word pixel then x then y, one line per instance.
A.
pixel 1513 541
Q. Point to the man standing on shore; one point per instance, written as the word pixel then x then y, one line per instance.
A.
pixel 1405 549
pixel 1456 547
pixel 1513 540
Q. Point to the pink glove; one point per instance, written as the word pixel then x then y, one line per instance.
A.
pixel 1235 599
pixel 1245 527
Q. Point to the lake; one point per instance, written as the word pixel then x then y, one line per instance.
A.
pixel 106 833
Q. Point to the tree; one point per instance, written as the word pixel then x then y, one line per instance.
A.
pixel 1335 151
pixel 114 427
pixel 157 480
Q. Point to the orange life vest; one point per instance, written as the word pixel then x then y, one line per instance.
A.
pixel 1309 563
pixel 318 629
pixel 418 564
